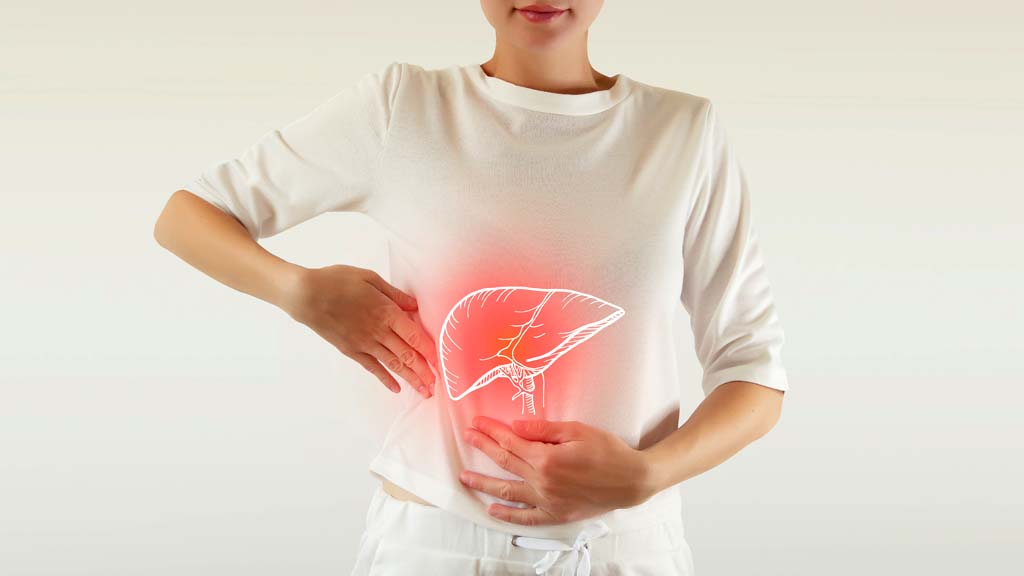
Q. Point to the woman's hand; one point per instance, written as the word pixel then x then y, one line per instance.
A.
pixel 366 319
pixel 571 471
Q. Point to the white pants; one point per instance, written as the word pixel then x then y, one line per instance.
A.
pixel 405 538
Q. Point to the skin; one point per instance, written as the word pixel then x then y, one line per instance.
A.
pixel 569 470
pixel 548 56
pixel 353 309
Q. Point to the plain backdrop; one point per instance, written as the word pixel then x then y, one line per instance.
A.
pixel 155 422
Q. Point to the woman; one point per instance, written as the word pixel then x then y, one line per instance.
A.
pixel 543 220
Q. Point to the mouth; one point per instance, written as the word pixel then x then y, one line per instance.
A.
pixel 540 12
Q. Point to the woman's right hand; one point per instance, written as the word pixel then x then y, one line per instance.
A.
pixel 366 319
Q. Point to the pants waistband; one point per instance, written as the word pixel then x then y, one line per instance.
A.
pixel 408 523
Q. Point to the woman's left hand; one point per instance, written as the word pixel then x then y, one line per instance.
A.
pixel 570 470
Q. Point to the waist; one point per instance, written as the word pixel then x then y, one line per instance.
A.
pixel 401 493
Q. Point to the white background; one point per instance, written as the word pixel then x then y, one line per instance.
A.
pixel 153 421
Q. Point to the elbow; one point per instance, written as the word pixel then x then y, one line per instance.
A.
pixel 772 410
pixel 758 406
pixel 162 228
pixel 158 228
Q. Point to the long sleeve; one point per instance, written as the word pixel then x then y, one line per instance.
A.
pixel 725 288
pixel 324 161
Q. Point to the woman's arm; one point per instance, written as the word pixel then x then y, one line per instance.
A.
pixel 325 160
pixel 217 244
pixel 354 309
pixel 731 417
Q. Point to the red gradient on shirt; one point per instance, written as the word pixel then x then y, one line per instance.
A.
pixel 508 348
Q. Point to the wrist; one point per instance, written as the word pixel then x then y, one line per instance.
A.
pixel 652 474
pixel 289 285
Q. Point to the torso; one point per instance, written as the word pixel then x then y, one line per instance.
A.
pixel 476 193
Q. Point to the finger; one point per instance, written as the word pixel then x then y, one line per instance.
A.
pixel 374 367
pixel 395 365
pixel 527 516
pixel 553 431
pixel 414 334
pixel 411 362
pixel 503 458
pixel 505 437
pixel 409 356
pixel 404 300
pixel 510 490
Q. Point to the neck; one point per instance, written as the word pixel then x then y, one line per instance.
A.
pixel 564 72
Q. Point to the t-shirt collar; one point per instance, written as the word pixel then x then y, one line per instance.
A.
pixel 553 102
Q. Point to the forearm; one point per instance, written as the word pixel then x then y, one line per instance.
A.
pixel 730 418
pixel 219 246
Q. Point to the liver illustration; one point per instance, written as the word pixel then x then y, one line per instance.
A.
pixel 515 333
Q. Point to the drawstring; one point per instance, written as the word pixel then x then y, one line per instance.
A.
pixel 580 556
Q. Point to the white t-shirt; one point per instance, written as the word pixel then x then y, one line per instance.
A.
pixel 547 239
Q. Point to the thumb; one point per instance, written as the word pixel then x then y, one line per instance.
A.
pixel 404 300
pixel 545 430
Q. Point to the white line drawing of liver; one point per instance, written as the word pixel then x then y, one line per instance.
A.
pixel 516 332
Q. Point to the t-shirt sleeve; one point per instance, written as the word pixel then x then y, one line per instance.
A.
pixel 325 160
pixel 725 288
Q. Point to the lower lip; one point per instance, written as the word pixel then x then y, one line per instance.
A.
pixel 540 16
